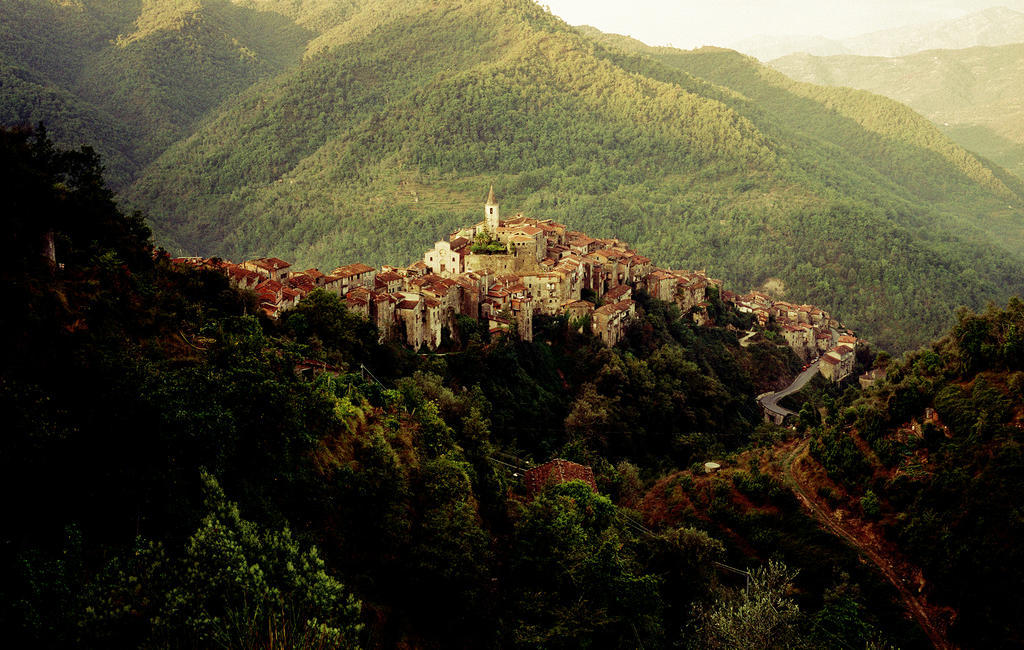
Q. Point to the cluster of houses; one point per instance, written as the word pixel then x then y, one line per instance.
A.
pixel 499 271
pixel 503 272
pixel 810 331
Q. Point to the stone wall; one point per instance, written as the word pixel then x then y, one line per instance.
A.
pixel 503 264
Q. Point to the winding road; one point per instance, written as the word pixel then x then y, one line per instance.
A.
pixel 770 401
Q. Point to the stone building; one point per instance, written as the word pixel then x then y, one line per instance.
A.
pixel 354 275
pixel 837 363
pixel 609 322
pixel 447 258
pixel 269 267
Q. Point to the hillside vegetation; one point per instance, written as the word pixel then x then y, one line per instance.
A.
pixel 974 95
pixel 934 457
pixel 365 130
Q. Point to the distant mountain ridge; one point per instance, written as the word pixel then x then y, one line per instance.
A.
pixel 359 130
pixel 991 27
pixel 976 95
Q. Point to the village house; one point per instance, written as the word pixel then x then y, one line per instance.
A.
pixel 609 322
pixel 388 281
pixel 661 285
pixel 619 293
pixel 420 316
pixel 700 314
pixel 801 338
pixel 269 267
pixel 578 309
pixel 312 275
pixel 242 278
pixel 550 290
pixel 837 363
pixel 871 377
pixel 310 369
pixel 445 290
pixel 383 314
pixel 823 340
pixel 354 275
pixel 301 284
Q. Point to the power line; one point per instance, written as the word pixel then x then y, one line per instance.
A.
pixel 509 465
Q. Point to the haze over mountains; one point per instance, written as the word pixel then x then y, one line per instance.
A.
pixel 992 26
pixel 325 132
pixel 974 95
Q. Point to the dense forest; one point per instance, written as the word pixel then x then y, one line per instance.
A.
pixel 179 484
pixel 330 131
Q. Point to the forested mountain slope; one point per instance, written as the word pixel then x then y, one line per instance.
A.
pixel 133 77
pixel 974 95
pixel 365 130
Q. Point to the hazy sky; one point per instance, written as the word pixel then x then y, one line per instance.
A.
pixel 692 23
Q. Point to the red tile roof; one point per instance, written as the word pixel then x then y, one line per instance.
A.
pixel 349 270
pixel 617 292
pixel 556 472
pixel 389 276
pixel 270 263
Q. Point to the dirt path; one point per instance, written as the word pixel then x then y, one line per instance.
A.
pixel 931 619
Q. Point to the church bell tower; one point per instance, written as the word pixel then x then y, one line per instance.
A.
pixel 491 213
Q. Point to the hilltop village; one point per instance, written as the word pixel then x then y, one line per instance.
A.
pixel 504 271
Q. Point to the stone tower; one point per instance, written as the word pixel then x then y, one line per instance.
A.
pixel 491 213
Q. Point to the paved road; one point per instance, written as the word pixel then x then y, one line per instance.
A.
pixel 745 341
pixel 770 401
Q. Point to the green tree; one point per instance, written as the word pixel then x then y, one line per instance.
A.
pixel 575 581
pixel 236 585
pixel 870 504
pixel 762 617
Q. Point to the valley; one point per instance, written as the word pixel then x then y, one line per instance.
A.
pixel 447 324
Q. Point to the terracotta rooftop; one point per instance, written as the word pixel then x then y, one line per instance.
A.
pixel 556 472
pixel 270 263
pixel 615 307
pixel 530 230
pixel 617 292
pixel 349 270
